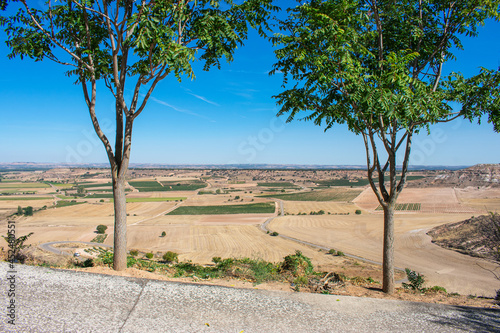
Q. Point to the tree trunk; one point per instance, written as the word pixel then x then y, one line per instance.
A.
pixel 120 234
pixel 388 258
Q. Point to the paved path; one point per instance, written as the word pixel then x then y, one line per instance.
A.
pixel 48 246
pixel 49 300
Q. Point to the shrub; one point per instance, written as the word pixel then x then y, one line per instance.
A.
pixel 236 197
pixel 134 253
pixel 170 256
pixel 297 264
pixel 87 263
pixel 216 260
pixel 101 228
pixel 416 281
pixel 28 211
pixel 163 234
pixel 274 233
pixel 332 252
pixel 301 280
pixel 358 211
pixel 16 247
pixel 437 289
pixel 340 253
pixel 149 255
pixel 102 200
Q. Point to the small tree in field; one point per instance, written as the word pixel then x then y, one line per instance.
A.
pixel 101 229
pixel 130 45
pixel 377 67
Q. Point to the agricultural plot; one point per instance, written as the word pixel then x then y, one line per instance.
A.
pixel 305 207
pixel 154 186
pixel 156 199
pixel 278 185
pixel 256 208
pixel 184 186
pixel 12 198
pixel 357 182
pixel 337 194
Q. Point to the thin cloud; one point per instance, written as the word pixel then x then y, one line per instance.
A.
pixel 180 110
pixel 203 99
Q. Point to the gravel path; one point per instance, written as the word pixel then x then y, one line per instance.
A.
pixel 49 300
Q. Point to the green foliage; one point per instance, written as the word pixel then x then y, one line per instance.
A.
pixel 332 252
pixel 216 260
pixel 134 253
pixel 301 280
pixel 358 211
pixel 163 234
pixel 320 212
pixel 104 256
pixel 66 203
pixel 296 264
pixel 16 246
pixel 415 281
pixel 149 255
pixel 436 289
pixel 99 238
pixel 340 253
pixel 101 228
pixel 170 256
pixel 274 234
pixel 86 263
pixel 20 210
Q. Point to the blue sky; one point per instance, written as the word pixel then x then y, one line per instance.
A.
pixel 223 117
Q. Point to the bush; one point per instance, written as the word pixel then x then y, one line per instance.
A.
pixel 437 289
pixel 332 252
pixel 134 253
pixel 274 233
pixel 358 212
pixel 340 253
pixel 170 256
pixel 163 234
pixel 301 280
pixel 101 228
pixel 416 281
pixel 149 255
pixel 216 260
pixel 297 264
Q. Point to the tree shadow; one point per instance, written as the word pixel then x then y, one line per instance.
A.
pixel 470 319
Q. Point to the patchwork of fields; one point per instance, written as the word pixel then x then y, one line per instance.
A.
pixel 226 222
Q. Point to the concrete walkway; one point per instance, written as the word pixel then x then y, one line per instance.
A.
pixel 48 300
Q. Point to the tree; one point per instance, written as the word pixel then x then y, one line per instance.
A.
pixel 131 45
pixel 28 211
pixel 101 228
pixel 376 66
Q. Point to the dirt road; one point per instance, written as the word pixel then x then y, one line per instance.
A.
pixel 362 236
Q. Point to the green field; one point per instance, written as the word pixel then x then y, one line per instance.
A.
pixel 153 186
pixel 65 203
pixel 324 195
pixel 7 198
pixel 405 206
pixel 192 185
pixel 256 208
pixel 278 184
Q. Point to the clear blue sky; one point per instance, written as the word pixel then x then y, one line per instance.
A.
pixel 224 116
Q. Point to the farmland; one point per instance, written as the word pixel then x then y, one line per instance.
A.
pixel 226 222
pixel 257 208
pixel 338 194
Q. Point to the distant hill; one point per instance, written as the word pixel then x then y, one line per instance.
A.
pixel 478 236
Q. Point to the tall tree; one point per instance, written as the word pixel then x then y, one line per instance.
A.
pixel 131 45
pixel 377 67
